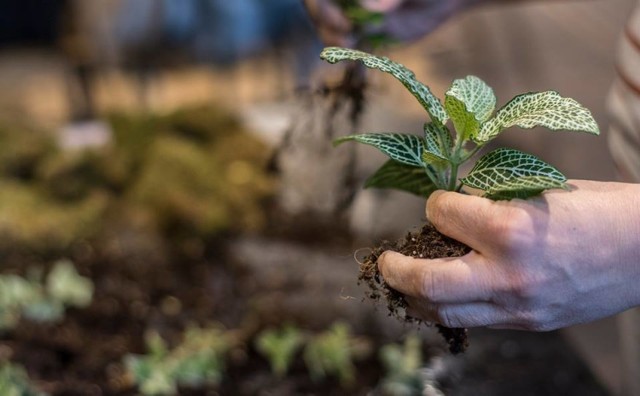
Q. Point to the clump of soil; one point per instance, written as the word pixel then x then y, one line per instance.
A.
pixel 427 243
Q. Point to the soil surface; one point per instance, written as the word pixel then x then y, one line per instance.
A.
pixel 427 243
pixel 82 354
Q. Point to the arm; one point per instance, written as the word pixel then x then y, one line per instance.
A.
pixel 560 259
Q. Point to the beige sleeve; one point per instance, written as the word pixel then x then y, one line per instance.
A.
pixel 624 143
pixel 624 103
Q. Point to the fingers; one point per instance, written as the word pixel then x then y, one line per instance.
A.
pixel 333 26
pixel 380 5
pixel 471 220
pixel 447 280
pixel 477 314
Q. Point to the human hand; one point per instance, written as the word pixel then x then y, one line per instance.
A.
pixel 553 261
pixel 404 20
pixel 333 26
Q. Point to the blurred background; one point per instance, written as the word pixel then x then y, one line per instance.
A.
pixel 175 221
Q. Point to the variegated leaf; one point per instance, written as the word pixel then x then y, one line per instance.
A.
pixel 476 95
pixel 464 122
pixel 406 149
pixel 434 160
pixel 438 144
pixel 502 165
pixel 547 109
pixel 523 187
pixel 405 76
pixel 399 176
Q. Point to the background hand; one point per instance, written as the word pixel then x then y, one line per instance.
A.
pixel 404 20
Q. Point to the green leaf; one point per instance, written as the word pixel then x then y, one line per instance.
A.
pixel 476 95
pixel 66 286
pixel 464 122
pixel 280 347
pixel 469 102
pixel 503 165
pixel 547 109
pixel 406 149
pixel 421 92
pixel 438 145
pixel 401 177
pixel 523 187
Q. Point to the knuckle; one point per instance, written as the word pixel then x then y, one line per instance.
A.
pixel 432 288
pixel 511 230
pixel 524 290
pixel 446 318
pixel 527 288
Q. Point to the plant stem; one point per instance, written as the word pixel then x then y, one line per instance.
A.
pixel 471 153
pixel 456 160
pixel 453 177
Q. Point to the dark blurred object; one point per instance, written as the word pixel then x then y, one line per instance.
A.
pixel 30 21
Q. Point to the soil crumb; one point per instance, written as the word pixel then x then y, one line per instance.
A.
pixel 427 243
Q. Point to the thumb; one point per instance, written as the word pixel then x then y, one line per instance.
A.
pixel 465 218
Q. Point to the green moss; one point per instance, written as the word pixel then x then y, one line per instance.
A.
pixel 179 186
pixel 190 189
pixel 29 218
pixel 75 174
pixel 192 173
pixel 22 151
pixel 202 124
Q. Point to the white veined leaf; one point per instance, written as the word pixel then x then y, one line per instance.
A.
pixel 438 137
pixel 464 122
pixel 406 149
pixel 547 109
pixel 438 144
pixel 477 97
pixel 421 92
pixel 434 160
pixel 401 177
pixel 502 165
pixel 523 187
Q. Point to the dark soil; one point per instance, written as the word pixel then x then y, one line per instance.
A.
pixel 136 291
pixel 427 243
pixel 82 355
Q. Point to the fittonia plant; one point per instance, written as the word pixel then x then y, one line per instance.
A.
pixel 422 164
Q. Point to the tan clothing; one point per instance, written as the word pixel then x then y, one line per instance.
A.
pixel 624 103
pixel 624 143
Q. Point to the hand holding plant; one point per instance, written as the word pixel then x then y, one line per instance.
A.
pixel 422 165
pixel 541 264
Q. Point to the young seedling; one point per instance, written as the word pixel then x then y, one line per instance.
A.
pixel 332 353
pixel 280 347
pixel 197 361
pixel 403 364
pixel 423 164
pixel 31 298
pixel 15 382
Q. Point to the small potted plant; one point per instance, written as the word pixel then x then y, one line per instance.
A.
pixel 423 164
